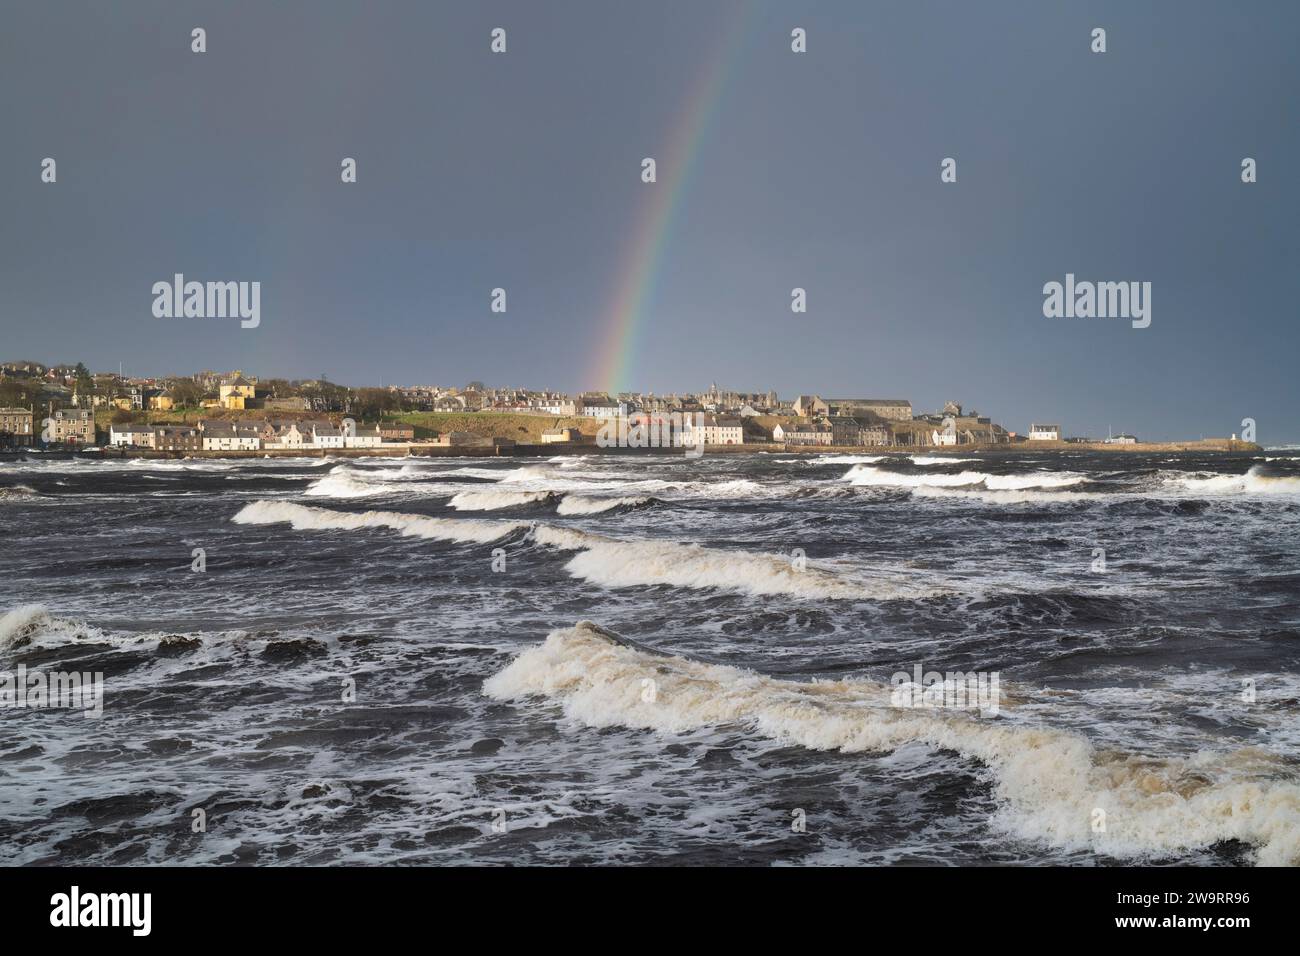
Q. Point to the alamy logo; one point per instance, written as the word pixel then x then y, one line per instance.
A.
pixel 1102 300
pixel 208 300
pixel 103 909
pixel 21 688
pixel 666 430
pixel 970 690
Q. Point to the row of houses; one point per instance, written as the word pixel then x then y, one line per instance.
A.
pixel 887 409
pixel 671 429
pixel 221 435
pixel 833 430
pixel 67 426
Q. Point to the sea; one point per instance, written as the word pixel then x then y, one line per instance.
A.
pixel 765 659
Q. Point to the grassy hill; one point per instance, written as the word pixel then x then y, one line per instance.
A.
pixel 522 428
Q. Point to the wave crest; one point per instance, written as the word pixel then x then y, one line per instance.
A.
pixel 618 564
pixel 1049 782
pixel 583 505
pixel 29 624
pixel 1253 482
pixel 496 500
pixel 307 518
pixel 866 475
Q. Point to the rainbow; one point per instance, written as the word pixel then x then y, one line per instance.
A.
pixel 638 270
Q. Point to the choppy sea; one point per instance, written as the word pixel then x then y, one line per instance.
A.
pixel 654 660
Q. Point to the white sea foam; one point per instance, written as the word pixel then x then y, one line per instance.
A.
pixel 937 459
pixel 838 459
pixel 34 625
pixel 344 481
pixel 1035 479
pixel 344 485
pixel 1253 482
pixel 848 459
pixel 526 473
pixel 307 518
pixel 615 563
pixel 610 562
pixel 495 500
pixel 736 488
pixel 585 505
pixel 1049 783
pixel 101 465
pixel 22 621
pixel 867 476
pixel 185 464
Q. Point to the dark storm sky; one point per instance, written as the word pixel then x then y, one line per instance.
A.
pixel 818 170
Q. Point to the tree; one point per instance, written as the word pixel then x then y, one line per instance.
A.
pixel 185 392
pixel 372 403
pixel 277 388
pixel 20 392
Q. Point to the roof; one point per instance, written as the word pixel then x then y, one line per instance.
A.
pixel 889 402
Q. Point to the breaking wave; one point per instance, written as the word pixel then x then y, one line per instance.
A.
pixel 495 500
pixel 865 475
pixel 584 505
pixel 307 518
pixel 606 561
pixel 619 564
pixel 526 473
pixel 737 488
pixel 33 624
pixel 1253 482
pixel 1049 783
pixel 937 460
pixel 343 484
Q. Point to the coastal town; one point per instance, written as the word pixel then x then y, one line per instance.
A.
pixel 68 407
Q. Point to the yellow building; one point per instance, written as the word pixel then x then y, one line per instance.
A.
pixel 161 402
pixel 234 391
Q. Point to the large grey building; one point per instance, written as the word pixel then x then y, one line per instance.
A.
pixel 15 426
pixel 892 409
pixel 74 426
